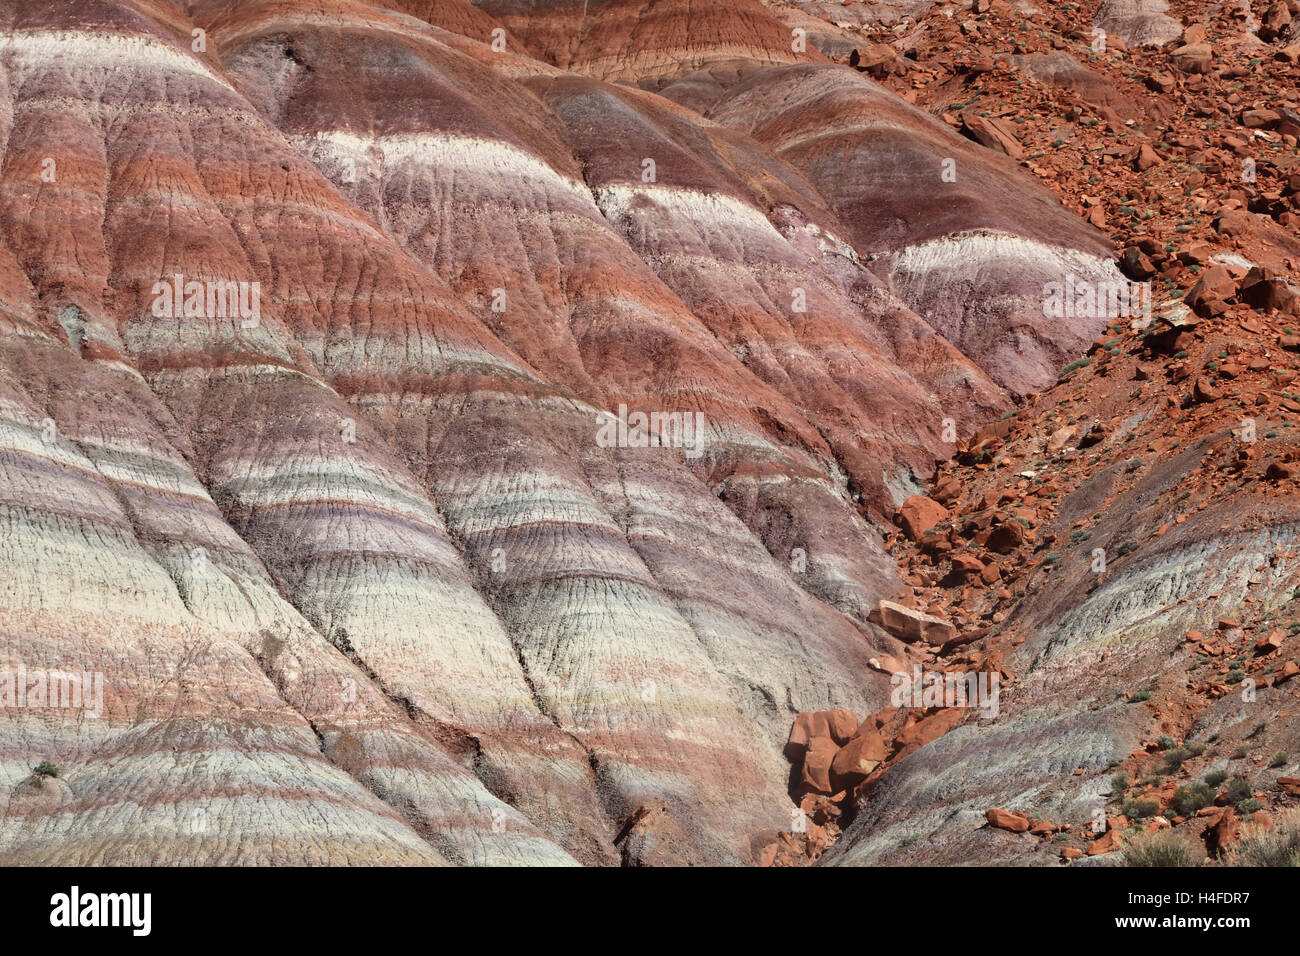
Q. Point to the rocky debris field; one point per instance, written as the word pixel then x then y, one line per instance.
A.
pixel 1175 435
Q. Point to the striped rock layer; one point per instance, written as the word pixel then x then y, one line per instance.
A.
pixel 360 581
pixel 630 40
pixel 961 236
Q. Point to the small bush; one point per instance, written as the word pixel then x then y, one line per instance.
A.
pixel 343 641
pixel 1189 799
pixel 1162 848
pixel 1139 695
pixel 1215 777
pixel 1140 809
pixel 1280 759
pixel 46 769
pixel 1119 783
pixel 1165 742
pixel 1249 806
pixel 1278 845
pixel 1174 759
pixel 1239 789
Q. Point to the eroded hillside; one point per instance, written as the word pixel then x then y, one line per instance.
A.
pixel 316 317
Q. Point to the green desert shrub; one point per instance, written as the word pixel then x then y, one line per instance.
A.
pixel 1239 789
pixel 1189 799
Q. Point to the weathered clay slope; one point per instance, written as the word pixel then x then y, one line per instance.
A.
pixel 149 574
pixel 353 542
pixel 627 40
pixel 584 308
pixel 371 487
pixel 970 251
pixel 732 232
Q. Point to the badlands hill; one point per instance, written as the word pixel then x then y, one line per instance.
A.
pixel 359 575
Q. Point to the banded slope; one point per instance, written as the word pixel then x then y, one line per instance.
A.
pixel 962 236
pixel 629 40
pixel 165 434
pixel 774 453
pixel 549 682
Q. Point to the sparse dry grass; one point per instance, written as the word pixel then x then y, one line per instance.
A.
pixel 1278 845
pixel 1163 848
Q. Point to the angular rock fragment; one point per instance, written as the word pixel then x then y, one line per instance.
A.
pixel 910 625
